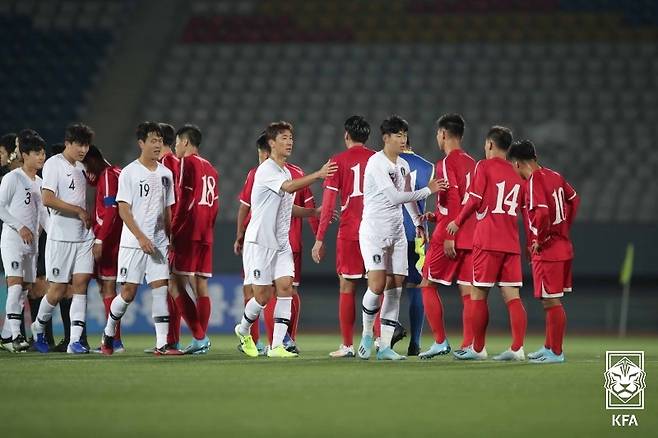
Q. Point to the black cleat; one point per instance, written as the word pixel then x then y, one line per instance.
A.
pixel 399 333
pixel 62 346
pixel 413 350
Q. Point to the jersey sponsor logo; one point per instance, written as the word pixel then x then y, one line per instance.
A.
pixel 625 379
pixel 15 265
pixel 256 274
pixel 377 258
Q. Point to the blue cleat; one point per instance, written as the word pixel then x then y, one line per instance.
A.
pixel 539 353
pixel 198 346
pixel 76 348
pixel 389 354
pixel 118 346
pixel 365 347
pixel 549 357
pixel 436 350
pixel 470 354
pixel 289 344
pixel 40 344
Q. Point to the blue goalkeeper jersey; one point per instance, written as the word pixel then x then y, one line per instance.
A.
pixel 422 171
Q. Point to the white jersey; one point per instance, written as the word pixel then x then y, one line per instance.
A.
pixel 67 181
pixel 271 207
pixel 381 217
pixel 21 206
pixel 148 193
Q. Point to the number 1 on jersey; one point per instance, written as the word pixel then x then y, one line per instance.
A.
pixel 509 199
pixel 558 197
pixel 356 191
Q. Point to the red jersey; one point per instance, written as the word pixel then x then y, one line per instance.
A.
pixel 245 194
pixel 495 196
pixel 348 182
pixel 195 216
pixel 107 224
pixel 171 162
pixel 457 169
pixel 551 205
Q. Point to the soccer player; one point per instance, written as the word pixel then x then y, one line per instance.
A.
pixel 551 207
pixel 495 197
pixel 347 183
pixel 145 195
pixel 386 186
pixel 107 227
pixel 23 215
pixel 193 234
pixel 7 143
pixel 449 258
pixel 70 238
pixel 267 254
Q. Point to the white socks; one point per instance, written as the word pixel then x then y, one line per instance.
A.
pixel 117 310
pixel 369 307
pixel 44 315
pixel 282 313
pixel 160 313
pixel 251 313
pixel 14 310
pixel 78 313
pixel 389 315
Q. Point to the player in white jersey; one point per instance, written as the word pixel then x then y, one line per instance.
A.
pixel 267 255
pixel 24 215
pixel 70 238
pixel 382 239
pixel 145 197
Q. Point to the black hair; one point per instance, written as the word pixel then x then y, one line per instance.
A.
pixel 24 135
pixel 357 128
pixel 500 136
pixel 56 148
pixel 33 143
pixel 523 150
pixel 453 123
pixel 95 161
pixel 168 134
pixel 276 128
pixel 192 133
pixel 79 133
pixel 145 128
pixel 8 141
pixel 262 144
pixel 393 125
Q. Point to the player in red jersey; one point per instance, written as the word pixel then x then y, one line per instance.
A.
pixel 107 227
pixel 495 198
pixel 551 206
pixel 348 183
pixel 448 257
pixel 193 229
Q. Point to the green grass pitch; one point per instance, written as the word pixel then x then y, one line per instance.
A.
pixel 224 394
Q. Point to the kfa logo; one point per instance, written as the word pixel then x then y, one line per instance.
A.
pixel 123 272
pixel 624 384
pixel 165 182
pixel 55 272
pixel 377 258
pixel 15 265
pixel 256 274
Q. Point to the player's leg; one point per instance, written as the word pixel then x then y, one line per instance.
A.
pixel 538 288
pixel 248 294
pixel 12 339
pixel 186 257
pixel 283 274
pixel 510 281
pixel 37 293
pixel 551 281
pixel 203 307
pixel 346 316
pixel 465 284
pixel 414 294
pixel 296 301
pixel 157 275
pixel 78 312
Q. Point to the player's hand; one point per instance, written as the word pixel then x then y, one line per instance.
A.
pixel 318 251
pixel 420 232
pixel 449 249
pixel 328 169
pixel 428 217
pixel 452 228
pixel 26 235
pixel 146 244
pixel 84 217
pixel 436 185
pixel 535 248
pixel 97 250
pixel 237 246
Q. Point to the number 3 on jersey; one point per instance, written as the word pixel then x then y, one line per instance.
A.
pixel 508 199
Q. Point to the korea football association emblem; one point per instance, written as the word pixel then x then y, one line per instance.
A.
pixel 377 258
pixel 15 265
pixel 256 274
pixel 625 379
pixel 123 272
pixel 55 272
pixel 165 182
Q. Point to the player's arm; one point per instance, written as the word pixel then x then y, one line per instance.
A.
pixel 243 211
pixel 298 211
pixel 7 191
pixel 309 202
pixel 473 203
pixel 110 213
pixel 292 185
pixel 453 207
pixel 573 201
pixel 187 180
pixel 44 217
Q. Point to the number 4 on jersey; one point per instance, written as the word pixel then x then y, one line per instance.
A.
pixel 509 199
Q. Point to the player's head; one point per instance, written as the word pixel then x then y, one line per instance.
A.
pixel 95 163
pixel 280 138
pixel 15 158
pixel 149 139
pixel 168 135
pixel 264 149
pixel 394 133
pixel 33 152
pixel 523 156
pixel 449 127
pixel 7 146
pixel 77 139
pixel 188 140
pixel 357 130
pixel 498 141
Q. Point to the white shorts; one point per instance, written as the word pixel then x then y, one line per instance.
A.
pixel 264 265
pixel 19 265
pixel 388 255
pixel 134 265
pixel 65 259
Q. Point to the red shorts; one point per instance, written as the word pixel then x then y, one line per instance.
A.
pixel 438 268
pixel 297 259
pixel 193 258
pixel 551 279
pixel 349 262
pixel 106 267
pixel 495 267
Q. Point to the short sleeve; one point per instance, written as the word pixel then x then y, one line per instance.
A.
pixel 245 194
pixel 50 176
pixel 124 193
pixel 272 179
pixel 170 198
pixel 479 181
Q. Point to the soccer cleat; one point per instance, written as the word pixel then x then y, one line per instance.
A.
pixel 436 350
pixel 377 342
pixel 365 347
pixel 343 351
pixel 107 345
pixel 290 345
pixel 539 353
pixel 247 345
pixel 76 348
pixel 152 349
pixel 167 350
pixel 510 355
pixel 198 346
pixel 413 350
pixel 62 347
pixel 388 353
pixel 470 354
pixel 20 344
pixel 280 351
pixel 7 344
pixel 40 343
pixel 399 333
pixel 118 346
pixel 262 348
pixel 549 357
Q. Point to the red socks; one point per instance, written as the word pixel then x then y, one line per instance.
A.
pixel 188 311
pixel 434 312
pixel 294 316
pixel 518 321
pixel 255 327
pixel 547 341
pixel 480 316
pixel 107 302
pixel 556 321
pixel 203 311
pixel 346 317
pixel 467 321
pixel 268 313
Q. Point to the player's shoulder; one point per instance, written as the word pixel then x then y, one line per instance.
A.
pixel 295 170
pixel 164 170
pixel 53 162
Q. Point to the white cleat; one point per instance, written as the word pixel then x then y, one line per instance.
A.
pixel 511 355
pixel 343 351
pixel 469 353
